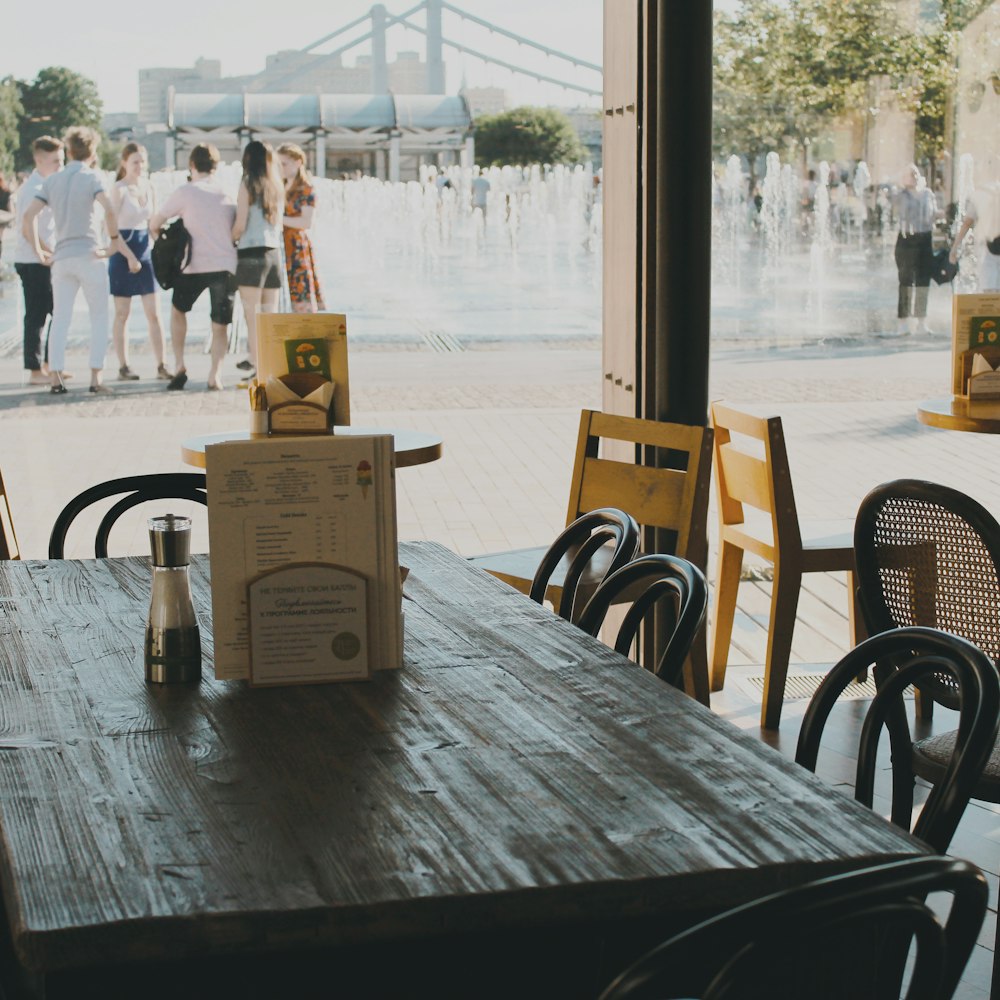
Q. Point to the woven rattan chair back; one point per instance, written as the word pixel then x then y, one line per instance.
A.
pixel 929 555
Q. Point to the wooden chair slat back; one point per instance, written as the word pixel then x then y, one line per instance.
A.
pixel 8 540
pixel 674 498
pixel 761 481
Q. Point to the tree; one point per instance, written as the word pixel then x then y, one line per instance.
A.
pixel 56 99
pixel 527 135
pixel 10 114
pixel 786 71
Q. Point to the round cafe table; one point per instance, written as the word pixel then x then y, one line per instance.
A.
pixel 957 413
pixel 412 447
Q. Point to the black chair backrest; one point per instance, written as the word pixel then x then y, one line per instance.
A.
pixel 843 936
pixel 929 555
pixel 579 542
pixel 138 489
pixel 653 578
pixel 904 657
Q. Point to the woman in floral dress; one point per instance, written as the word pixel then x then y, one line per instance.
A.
pixel 300 204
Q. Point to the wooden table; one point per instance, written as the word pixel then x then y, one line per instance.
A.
pixel 958 413
pixel 412 447
pixel 517 793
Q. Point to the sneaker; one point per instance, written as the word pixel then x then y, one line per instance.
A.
pixel 125 374
pixel 102 390
pixel 58 390
pixel 178 381
pixel 163 374
pixel 246 365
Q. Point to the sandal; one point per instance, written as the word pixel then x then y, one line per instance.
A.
pixel 178 381
pixel 102 390
pixel 58 390
pixel 125 374
pixel 163 374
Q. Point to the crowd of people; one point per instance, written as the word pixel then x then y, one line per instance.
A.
pixel 73 234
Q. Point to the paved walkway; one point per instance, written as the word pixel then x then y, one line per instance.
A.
pixel 509 419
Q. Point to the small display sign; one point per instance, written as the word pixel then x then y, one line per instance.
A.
pixel 308 625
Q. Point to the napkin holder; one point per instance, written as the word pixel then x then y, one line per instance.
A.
pixel 984 379
pixel 301 416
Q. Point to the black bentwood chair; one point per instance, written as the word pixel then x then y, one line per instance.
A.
pixel 652 579
pixel 138 489
pixel 573 551
pixel 843 936
pixel 904 657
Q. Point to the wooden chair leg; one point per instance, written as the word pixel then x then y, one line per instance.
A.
pixel 856 620
pixel 727 586
pixel 923 705
pixel 784 603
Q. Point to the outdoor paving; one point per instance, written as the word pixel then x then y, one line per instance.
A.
pixel 508 416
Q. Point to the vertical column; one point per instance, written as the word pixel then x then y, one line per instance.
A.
pixel 468 154
pixel 681 209
pixel 394 138
pixel 380 171
pixel 320 148
pixel 435 63
pixel 170 151
pixel 380 68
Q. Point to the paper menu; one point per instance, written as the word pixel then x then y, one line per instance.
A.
pixel 280 501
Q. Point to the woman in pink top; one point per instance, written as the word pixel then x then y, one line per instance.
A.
pixel 208 214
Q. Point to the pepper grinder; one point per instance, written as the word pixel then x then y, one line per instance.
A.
pixel 173 643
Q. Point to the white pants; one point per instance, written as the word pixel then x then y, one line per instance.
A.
pixel 68 277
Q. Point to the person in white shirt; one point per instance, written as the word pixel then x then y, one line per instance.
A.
pixel 208 214
pixel 79 258
pixel 982 212
pixel 36 276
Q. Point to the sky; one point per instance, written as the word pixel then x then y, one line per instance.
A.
pixel 109 41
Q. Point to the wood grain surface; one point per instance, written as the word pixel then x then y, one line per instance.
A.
pixel 516 774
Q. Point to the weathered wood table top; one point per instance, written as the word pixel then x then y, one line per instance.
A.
pixel 515 774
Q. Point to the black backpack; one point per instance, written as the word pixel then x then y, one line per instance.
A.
pixel 171 253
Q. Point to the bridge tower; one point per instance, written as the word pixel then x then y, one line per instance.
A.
pixel 435 62
pixel 380 67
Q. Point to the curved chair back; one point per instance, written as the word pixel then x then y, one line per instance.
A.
pixel 137 490
pixel 929 555
pixel 904 657
pixel 847 935
pixel 651 579
pixel 578 543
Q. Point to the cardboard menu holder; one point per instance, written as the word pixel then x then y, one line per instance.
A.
pixel 975 333
pixel 304 558
pixel 305 351
pixel 301 416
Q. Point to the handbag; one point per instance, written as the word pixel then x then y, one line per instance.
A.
pixel 943 270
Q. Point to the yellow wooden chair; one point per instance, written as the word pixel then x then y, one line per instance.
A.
pixel 745 477
pixel 675 499
pixel 8 540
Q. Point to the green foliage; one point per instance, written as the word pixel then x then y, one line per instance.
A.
pixel 10 114
pixel 527 135
pixel 786 71
pixel 56 99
